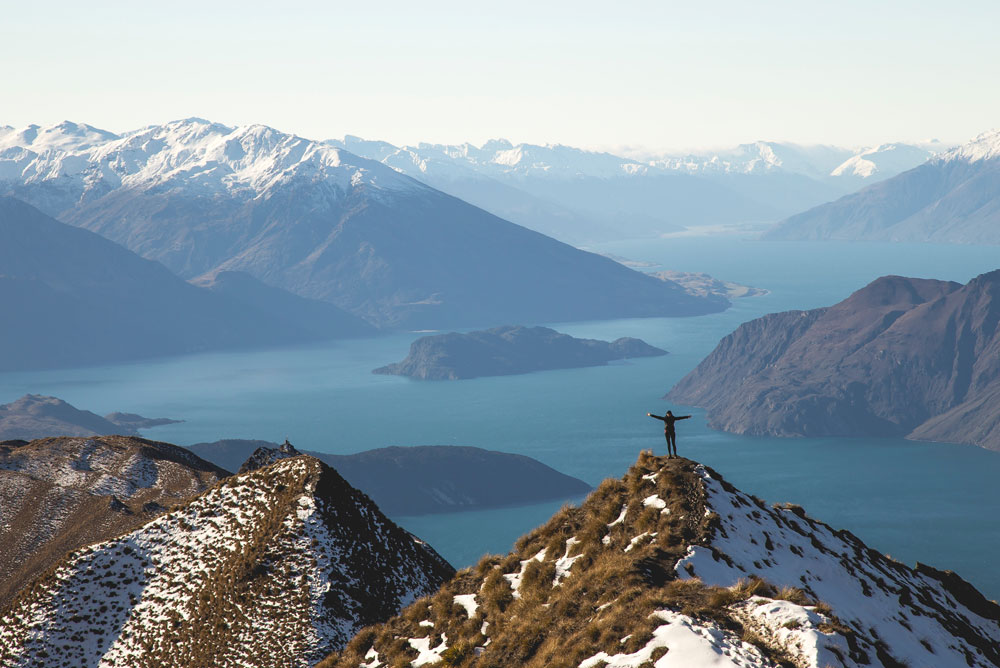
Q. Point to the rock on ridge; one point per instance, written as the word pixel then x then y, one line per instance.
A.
pixel 265 456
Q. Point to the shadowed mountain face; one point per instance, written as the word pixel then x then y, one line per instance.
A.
pixel 509 350
pixel 71 297
pixel 274 567
pixel 674 567
pixel 950 199
pixel 420 479
pixel 326 224
pixel 902 356
pixel 58 494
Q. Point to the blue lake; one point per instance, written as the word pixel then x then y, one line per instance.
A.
pixel 936 503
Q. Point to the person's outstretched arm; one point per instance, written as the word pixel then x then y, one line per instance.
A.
pixel 682 417
pixel 662 419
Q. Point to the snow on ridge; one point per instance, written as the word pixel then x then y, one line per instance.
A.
pixel 985 146
pixel 690 643
pixel 193 154
pixel 112 602
pixel 888 605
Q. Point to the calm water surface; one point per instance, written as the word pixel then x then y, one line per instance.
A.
pixel 936 503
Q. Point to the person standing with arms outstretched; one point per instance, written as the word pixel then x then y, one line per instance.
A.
pixel 668 430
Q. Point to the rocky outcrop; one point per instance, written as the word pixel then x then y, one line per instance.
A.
pixel 900 357
pixel 509 350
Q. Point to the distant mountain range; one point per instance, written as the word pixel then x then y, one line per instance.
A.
pixel 507 350
pixel 72 297
pixel 321 222
pixel 952 198
pixel 580 196
pixel 901 357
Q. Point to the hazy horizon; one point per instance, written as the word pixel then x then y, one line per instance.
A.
pixel 662 78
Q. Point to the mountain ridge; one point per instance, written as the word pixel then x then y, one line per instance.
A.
pixel 673 566
pixel 280 551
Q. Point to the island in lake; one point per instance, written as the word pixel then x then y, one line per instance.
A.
pixel 508 350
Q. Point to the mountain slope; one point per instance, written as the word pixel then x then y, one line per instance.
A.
pixel 315 319
pixel 326 224
pixel 37 416
pixel 672 566
pixel 899 357
pixel 951 199
pixel 422 479
pixel 58 494
pixel 274 567
pixel 72 297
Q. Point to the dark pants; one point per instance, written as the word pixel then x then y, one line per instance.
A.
pixel 671 437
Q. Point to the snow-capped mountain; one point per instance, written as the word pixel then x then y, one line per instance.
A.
pixel 275 567
pixel 319 221
pixel 65 136
pixel 58 494
pixel 674 567
pixel 579 195
pixel 952 198
pixel 761 157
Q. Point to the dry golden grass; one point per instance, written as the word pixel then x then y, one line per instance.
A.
pixel 609 595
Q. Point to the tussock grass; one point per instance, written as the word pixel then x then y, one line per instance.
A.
pixel 609 595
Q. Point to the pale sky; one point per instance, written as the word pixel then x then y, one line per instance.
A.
pixel 653 75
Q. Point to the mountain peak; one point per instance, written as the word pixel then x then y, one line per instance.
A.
pixel 673 560
pixel 985 146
